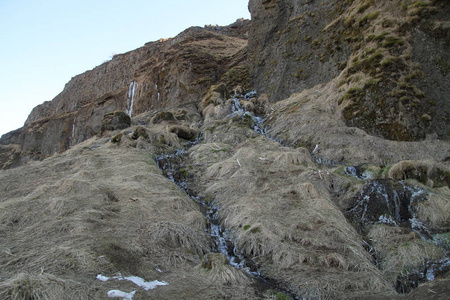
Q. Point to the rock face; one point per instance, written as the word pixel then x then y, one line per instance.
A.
pixel 288 48
pixel 161 174
pixel 391 58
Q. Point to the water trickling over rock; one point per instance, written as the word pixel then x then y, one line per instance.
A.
pixel 131 96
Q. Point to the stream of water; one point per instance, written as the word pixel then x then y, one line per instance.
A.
pixel 171 163
pixel 130 97
pixel 397 201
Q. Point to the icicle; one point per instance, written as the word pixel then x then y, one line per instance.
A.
pixel 130 97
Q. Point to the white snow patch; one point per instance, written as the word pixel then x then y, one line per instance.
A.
pixel 146 285
pixel 102 278
pixel 120 294
pixel 387 220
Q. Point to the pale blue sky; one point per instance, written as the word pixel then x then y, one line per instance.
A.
pixel 44 43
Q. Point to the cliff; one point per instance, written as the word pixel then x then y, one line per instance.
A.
pixel 390 60
pixel 158 75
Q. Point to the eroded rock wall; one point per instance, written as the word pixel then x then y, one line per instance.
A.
pixel 160 74
pixel 295 45
pixel 391 58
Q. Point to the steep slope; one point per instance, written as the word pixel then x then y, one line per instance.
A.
pixel 103 209
pixel 292 191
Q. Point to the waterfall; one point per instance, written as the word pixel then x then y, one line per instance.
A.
pixel 72 136
pixel 130 97
pixel 238 110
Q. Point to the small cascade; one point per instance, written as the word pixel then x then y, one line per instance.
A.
pixel 222 242
pixel 320 160
pixel 429 272
pixel 416 195
pixel 170 165
pixel 394 203
pixel 379 201
pixel 386 201
pixel 358 172
pixel 389 202
pixel 434 269
pixel 72 136
pixel 130 97
pixel 239 111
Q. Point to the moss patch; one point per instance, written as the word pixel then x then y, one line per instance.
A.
pixel 239 75
pixel 444 65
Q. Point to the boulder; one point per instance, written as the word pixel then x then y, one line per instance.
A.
pixel 115 120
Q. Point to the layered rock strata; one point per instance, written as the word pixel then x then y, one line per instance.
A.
pixel 160 74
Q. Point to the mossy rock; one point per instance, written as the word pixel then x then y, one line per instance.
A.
pixel 216 95
pixel 214 260
pixel 367 64
pixel 245 121
pixel 395 132
pixel 117 138
pixel 239 75
pixel 444 65
pixel 184 132
pixel 367 18
pixel 115 120
pixel 138 132
pixel 163 116
pixel 426 172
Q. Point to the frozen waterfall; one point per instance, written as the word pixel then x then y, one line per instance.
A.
pixel 130 97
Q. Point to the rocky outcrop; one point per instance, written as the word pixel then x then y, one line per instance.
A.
pixel 290 48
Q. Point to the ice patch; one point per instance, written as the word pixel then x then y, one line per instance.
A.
pixel 387 220
pixel 120 294
pixel 146 285
pixel 102 278
pixel 315 149
pixel 130 97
